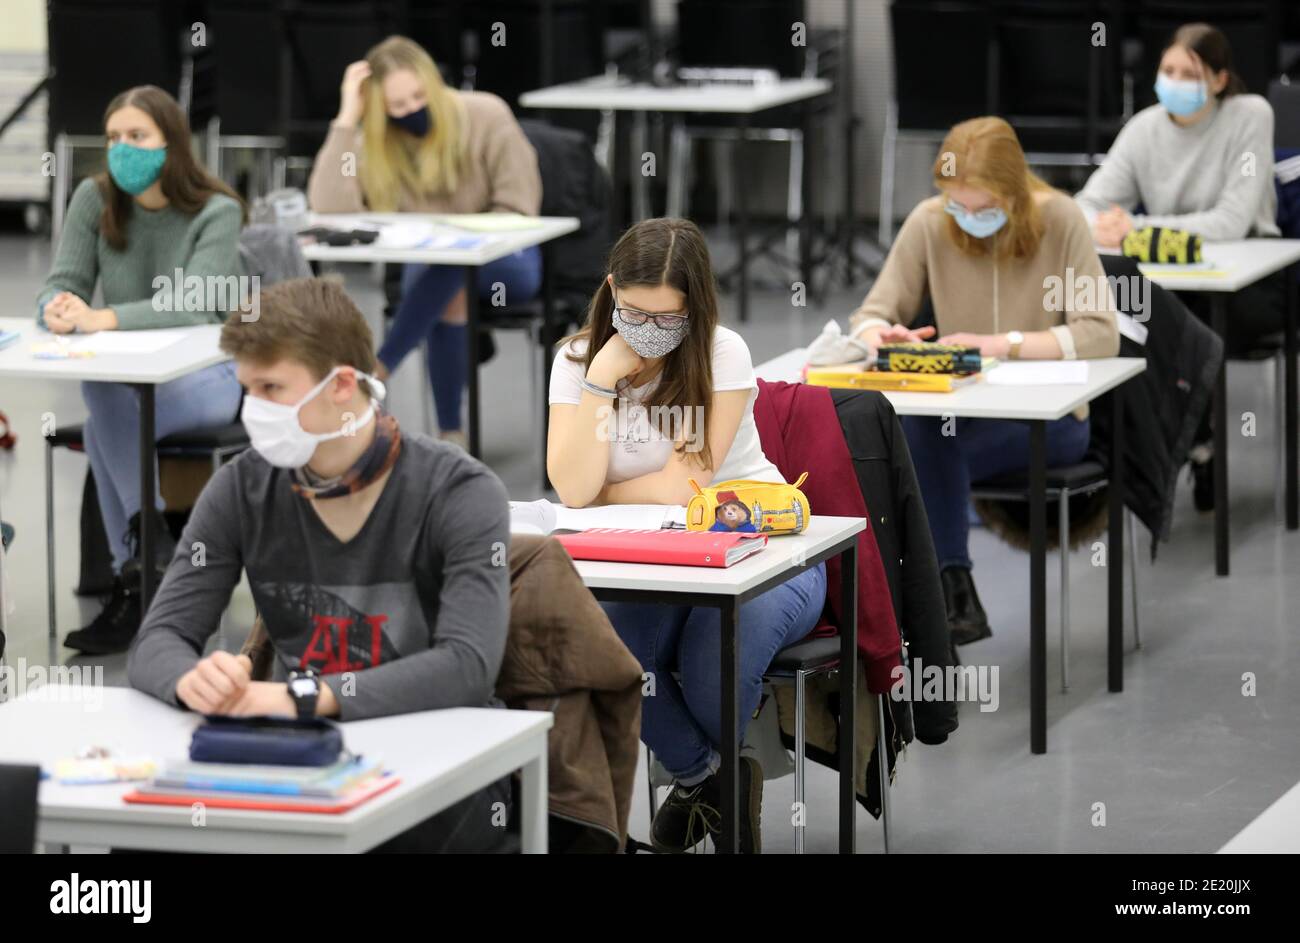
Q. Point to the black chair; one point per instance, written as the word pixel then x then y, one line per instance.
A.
pixel 318 40
pixel 1062 93
pixel 943 74
pixel 217 444
pixel 795 664
pixel 1285 99
pixel 18 789
pixel 97 50
pixel 1064 483
pixel 1252 27
pixel 246 43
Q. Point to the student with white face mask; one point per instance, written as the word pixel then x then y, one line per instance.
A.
pixel 369 551
pixel 1200 160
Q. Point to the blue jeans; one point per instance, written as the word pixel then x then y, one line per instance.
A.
pixel 208 397
pixel 426 292
pixel 682 720
pixel 980 448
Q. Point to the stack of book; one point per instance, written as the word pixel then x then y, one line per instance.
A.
pixel 335 788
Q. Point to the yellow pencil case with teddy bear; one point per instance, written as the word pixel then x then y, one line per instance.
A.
pixel 767 507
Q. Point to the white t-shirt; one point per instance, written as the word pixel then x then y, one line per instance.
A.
pixel 638 447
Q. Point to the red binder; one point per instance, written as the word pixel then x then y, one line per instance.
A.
pixel 674 547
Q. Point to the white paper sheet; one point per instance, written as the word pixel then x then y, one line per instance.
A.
pixel 544 517
pixel 127 342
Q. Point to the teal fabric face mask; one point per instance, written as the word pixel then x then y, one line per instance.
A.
pixel 134 169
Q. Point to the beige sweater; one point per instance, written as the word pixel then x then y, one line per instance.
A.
pixel 973 294
pixel 500 175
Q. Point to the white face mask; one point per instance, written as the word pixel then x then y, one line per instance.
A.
pixel 274 431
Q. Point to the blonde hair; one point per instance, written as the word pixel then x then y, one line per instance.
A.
pixel 985 153
pixel 392 161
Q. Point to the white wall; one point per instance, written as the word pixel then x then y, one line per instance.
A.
pixel 24 26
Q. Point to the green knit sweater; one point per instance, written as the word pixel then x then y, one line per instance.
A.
pixel 158 242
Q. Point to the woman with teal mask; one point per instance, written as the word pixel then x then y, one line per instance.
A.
pixel 129 230
pixel 980 256
pixel 1200 160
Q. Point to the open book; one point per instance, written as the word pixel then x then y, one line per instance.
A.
pixel 546 517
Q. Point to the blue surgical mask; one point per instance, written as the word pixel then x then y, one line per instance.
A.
pixel 417 122
pixel 1180 97
pixel 981 224
pixel 134 169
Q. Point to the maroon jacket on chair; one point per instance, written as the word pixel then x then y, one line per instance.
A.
pixel 800 431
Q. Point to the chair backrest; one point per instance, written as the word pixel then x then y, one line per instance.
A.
pixel 573 184
pixel 18 785
pixel 98 49
pixel 320 39
pixel 1285 99
pixel 1252 28
pixel 740 34
pixel 245 40
pixel 942 62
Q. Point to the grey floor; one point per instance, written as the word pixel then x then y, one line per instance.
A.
pixel 1179 762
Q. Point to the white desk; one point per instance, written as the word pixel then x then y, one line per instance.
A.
pixel 726 589
pixel 613 94
pixel 197 348
pixel 1275 832
pixel 1036 405
pixel 1245 262
pixel 440 756
pixel 497 245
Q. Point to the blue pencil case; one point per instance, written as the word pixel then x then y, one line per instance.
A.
pixel 271 741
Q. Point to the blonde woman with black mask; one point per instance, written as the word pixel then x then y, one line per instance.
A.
pixel 405 142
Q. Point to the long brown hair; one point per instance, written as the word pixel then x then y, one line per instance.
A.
pixel 185 183
pixel 985 153
pixel 669 252
pixel 1208 44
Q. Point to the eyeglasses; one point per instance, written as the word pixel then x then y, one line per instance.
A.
pixel 987 215
pixel 665 322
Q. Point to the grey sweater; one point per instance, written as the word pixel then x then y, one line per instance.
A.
pixel 1214 178
pixel 409 615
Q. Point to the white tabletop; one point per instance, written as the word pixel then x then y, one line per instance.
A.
pixel 440 757
pixel 780 554
pixel 497 245
pixel 602 93
pixel 1244 262
pixel 197 348
pixel 1275 832
pixel 980 400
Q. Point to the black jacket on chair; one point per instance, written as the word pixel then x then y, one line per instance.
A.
pixel 888 482
pixel 1164 404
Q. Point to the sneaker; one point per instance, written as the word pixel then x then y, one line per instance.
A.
pixel 692 812
pixel 116 625
pixel 966 619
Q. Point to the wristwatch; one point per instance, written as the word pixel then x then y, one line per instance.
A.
pixel 1015 339
pixel 304 688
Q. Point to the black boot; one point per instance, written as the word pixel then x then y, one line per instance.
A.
pixel 692 812
pixel 966 619
pixel 163 544
pixel 117 623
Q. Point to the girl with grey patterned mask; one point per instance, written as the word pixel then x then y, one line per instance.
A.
pixel 650 335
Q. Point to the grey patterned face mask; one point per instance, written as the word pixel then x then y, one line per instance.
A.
pixel 648 340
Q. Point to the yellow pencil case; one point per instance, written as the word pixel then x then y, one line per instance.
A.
pixel 768 507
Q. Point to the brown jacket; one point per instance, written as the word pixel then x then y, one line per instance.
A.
pixel 561 656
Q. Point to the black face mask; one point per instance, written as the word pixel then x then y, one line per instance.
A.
pixel 416 123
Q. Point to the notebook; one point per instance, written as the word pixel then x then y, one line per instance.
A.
pixel 332 806
pixel 890 381
pixel 671 547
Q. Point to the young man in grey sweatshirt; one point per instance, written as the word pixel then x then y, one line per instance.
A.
pixel 376 558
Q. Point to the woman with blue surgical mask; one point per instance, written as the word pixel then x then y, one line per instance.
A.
pixel 158 237
pixel 980 259
pixel 1200 160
